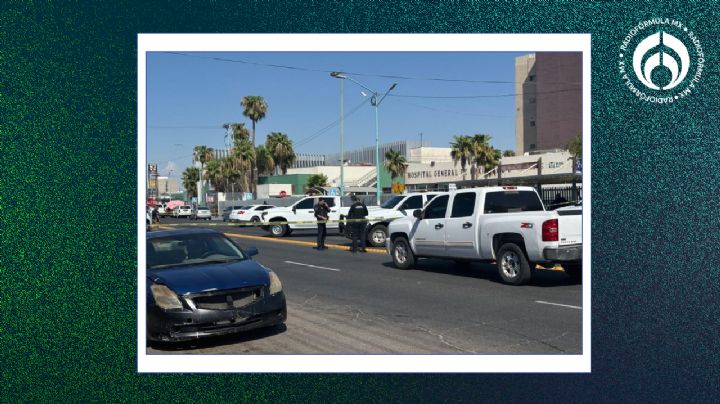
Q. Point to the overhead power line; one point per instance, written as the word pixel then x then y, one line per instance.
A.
pixel 385 76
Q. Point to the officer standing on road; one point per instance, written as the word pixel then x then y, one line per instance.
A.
pixel 358 213
pixel 322 212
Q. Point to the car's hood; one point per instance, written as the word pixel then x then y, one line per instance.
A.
pixel 403 222
pixel 384 213
pixel 199 278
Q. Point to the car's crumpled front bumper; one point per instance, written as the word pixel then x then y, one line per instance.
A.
pixel 182 325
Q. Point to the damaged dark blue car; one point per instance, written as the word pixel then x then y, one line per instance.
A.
pixel 200 283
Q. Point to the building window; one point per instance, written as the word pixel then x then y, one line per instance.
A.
pixel 531 77
pixel 532 123
pixel 532 101
pixel 532 146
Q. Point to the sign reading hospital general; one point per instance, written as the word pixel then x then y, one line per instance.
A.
pixel 418 173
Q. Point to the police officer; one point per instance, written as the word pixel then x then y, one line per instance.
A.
pixel 322 212
pixel 358 213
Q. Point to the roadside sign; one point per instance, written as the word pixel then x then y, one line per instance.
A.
pixel 333 192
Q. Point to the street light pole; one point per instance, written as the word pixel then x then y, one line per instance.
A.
pixel 375 103
pixel 338 75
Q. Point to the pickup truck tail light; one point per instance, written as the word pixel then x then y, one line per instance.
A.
pixel 550 230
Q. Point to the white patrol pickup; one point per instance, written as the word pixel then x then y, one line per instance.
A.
pixel 300 215
pixel 394 208
pixel 508 225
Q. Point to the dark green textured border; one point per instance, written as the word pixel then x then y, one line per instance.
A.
pixel 68 147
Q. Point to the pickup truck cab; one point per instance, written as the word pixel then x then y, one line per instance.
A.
pixel 300 215
pixel 508 225
pixel 394 208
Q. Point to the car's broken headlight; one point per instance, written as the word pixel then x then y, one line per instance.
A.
pixel 275 285
pixel 165 298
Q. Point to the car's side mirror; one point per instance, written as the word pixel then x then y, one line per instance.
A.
pixel 418 214
pixel 251 251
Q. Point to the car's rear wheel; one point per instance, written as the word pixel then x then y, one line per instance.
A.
pixel 401 253
pixel 378 235
pixel 278 230
pixel 255 220
pixel 513 266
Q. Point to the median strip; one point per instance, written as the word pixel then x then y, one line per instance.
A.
pixel 297 242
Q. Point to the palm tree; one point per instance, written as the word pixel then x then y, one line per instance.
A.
pixel 190 177
pixel 214 172
pixel 255 109
pixel 395 163
pixel 229 172
pixel 238 132
pixel 317 180
pixel 462 151
pixel 203 154
pixel 281 148
pixel 264 160
pixel 243 155
pixel 483 153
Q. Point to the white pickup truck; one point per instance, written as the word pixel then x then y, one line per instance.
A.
pixel 508 225
pixel 398 206
pixel 300 215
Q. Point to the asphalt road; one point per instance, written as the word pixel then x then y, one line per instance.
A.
pixel 344 303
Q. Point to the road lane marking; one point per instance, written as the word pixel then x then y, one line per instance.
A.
pixel 558 304
pixel 311 266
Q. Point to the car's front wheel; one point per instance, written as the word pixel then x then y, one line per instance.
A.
pixel 402 254
pixel 513 266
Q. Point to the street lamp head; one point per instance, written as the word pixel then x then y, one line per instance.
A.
pixel 392 86
pixel 337 75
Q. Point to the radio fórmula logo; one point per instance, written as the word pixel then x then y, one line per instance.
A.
pixel 660 53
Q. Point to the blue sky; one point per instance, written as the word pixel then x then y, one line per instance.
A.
pixel 191 95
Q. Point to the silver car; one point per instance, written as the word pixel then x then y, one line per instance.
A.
pixel 201 212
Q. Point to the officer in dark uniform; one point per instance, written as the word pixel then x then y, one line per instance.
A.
pixel 358 213
pixel 322 212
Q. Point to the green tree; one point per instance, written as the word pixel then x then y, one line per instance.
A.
pixel 264 160
pixel 575 147
pixel 190 177
pixel 485 156
pixel 395 163
pixel 238 131
pixel 255 108
pixel 203 154
pixel 509 153
pixel 317 180
pixel 281 149
pixel 214 172
pixel 243 157
pixel 461 151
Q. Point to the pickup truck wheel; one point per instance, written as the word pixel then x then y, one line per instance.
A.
pixel 513 267
pixel 402 255
pixel 278 230
pixel 378 235
pixel 573 271
pixel 255 220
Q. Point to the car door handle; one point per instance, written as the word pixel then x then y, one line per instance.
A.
pixel 439 226
pixel 467 225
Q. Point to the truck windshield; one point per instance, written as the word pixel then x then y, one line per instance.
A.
pixel 390 203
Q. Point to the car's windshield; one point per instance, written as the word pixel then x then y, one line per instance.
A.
pixel 191 249
pixel 390 203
